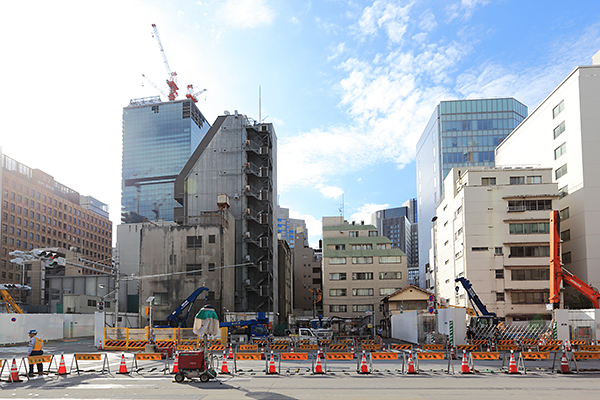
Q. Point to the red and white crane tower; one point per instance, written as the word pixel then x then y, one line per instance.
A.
pixel 172 80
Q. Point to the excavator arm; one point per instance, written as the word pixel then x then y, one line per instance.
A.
pixel 8 300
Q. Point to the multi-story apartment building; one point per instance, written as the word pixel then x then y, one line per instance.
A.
pixel 359 269
pixel 492 228
pixel 460 133
pixel 238 158
pixel 562 134
pixel 307 277
pixel 287 227
pixel 158 139
pixel 39 212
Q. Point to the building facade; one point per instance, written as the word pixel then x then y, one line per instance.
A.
pixel 359 269
pixel 460 133
pixel 39 212
pixel 238 158
pixel 158 139
pixel 287 227
pixel 307 277
pixel 562 134
pixel 492 228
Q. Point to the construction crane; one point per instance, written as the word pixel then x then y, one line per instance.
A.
pixel 559 274
pixel 191 95
pixel 8 300
pixel 155 85
pixel 172 80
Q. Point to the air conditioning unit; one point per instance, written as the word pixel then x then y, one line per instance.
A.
pixel 264 266
pixel 264 218
pixel 264 128
pixel 264 242
pixel 263 150
pixel 264 291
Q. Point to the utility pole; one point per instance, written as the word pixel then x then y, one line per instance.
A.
pixel 117 285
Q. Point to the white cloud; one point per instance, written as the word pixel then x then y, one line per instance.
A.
pixel 330 192
pixel 465 9
pixel 314 226
pixel 294 20
pixel 427 22
pixel 337 51
pixel 364 212
pixel 389 16
pixel 247 13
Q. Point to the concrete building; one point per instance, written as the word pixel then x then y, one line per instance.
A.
pixel 409 298
pixel 39 212
pixel 307 277
pixel 492 228
pixel 562 134
pixel 287 227
pixel 399 224
pixel 158 139
pixel 238 158
pixel 460 133
pixel 359 269
pixel 285 290
pixel 189 256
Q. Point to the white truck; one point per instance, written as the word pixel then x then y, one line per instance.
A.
pixel 314 334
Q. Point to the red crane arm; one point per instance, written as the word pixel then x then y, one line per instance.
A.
pixel 588 291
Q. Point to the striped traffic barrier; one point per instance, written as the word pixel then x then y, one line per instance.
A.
pixel 78 357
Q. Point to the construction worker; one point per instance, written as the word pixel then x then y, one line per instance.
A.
pixel 35 349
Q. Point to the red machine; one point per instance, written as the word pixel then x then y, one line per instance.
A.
pixel 192 364
pixel 558 273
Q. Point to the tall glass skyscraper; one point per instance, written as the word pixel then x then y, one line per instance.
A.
pixel 460 133
pixel 158 139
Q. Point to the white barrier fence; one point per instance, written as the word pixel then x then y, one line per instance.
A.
pixel 14 327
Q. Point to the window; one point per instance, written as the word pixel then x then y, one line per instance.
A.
pixel 362 260
pixel 337 276
pixel 517 180
pixel 529 227
pixel 499 296
pixel 565 235
pixel 196 268
pixel 537 274
pixel 362 292
pixel 361 247
pixel 563 191
pixel 529 297
pixel 211 238
pixel 479 249
pixel 529 251
pixel 559 130
pixel 560 150
pixel 316 281
pixel 337 260
pixel 566 258
pixel 529 205
pixel 488 181
pixel 339 247
pixel 561 171
pixel 390 275
pixel 373 233
pixel 381 246
pixel 211 266
pixel 390 260
pixel 316 270
pixel 338 308
pixel 534 179
pixel 337 292
pixel 499 274
pixel 558 109
pixel 353 233
pixel 387 291
pixel 564 214
pixel 194 242
pixel 91 303
pixel 362 276
pixel 161 299
pixel 362 307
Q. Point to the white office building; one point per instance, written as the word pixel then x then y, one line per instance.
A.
pixel 562 133
pixel 492 228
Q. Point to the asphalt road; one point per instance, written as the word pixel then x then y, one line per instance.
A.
pixel 294 381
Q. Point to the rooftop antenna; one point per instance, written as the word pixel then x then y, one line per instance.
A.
pixel 341 209
pixel 259 106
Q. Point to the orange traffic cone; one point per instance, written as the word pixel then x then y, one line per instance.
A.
pixel 318 367
pixel 452 355
pixel 353 352
pixel 123 366
pixel 224 369
pixel 364 368
pixel 230 355
pixel 272 369
pixel 320 352
pixel 100 344
pixel 512 365
pixel 529 347
pixel 62 368
pixel 464 368
pixel 262 352
pixel 176 364
pixel 14 373
pixel 564 364
pixel 411 365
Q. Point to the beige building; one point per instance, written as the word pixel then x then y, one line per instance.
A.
pixel 186 257
pixel 359 269
pixel 409 298
pixel 492 228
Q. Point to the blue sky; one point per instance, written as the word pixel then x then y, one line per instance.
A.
pixel 349 85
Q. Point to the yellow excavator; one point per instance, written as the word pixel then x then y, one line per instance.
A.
pixel 8 300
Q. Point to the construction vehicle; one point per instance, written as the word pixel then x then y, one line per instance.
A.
pixel 484 319
pixel 251 328
pixel 8 300
pixel 175 319
pixel 559 274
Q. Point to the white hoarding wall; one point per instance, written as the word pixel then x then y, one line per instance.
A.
pixel 458 316
pixel 405 327
pixel 14 327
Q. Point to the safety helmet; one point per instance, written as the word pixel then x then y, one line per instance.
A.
pixel 33 331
